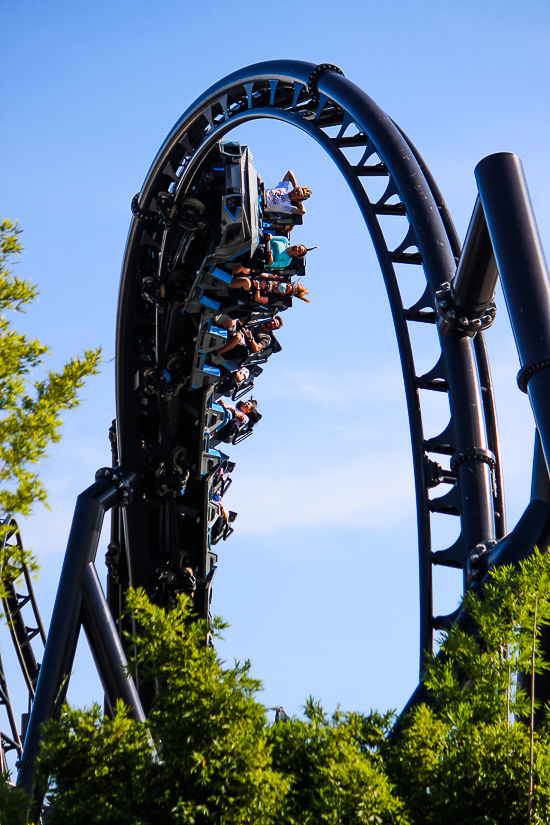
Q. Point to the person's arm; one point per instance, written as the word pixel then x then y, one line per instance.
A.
pixel 271 276
pixel 299 209
pixel 260 299
pixel 227 406
pixel 262 340
pixel 252 345
pixel 290 177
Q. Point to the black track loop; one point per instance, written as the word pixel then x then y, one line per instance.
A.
pixel 314 98
pixel 318 71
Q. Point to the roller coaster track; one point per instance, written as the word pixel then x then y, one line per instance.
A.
pixel 167 464
pixel 315 100
pixel 19 606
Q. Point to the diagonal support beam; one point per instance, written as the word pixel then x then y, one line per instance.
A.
pixel 106 646
pixel 113 487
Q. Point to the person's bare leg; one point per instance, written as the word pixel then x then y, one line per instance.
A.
pixel 237 269
pixel 240 283
pixel 231 344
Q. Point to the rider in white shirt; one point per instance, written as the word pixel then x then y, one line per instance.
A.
pixel 287 196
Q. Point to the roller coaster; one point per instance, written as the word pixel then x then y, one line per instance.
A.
pixel 200 210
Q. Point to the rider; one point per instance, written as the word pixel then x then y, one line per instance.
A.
pixel 248 342
pixel 272 292
pixel 287 196
pixel 243 415
pixel 282 254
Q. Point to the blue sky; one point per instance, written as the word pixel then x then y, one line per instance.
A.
pixel 319 581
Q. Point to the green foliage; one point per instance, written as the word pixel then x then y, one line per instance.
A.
pixel 469 773
pixel 334 770
pixel 473 681
pixel 30 412
pixel 217 758
pixel 103 768
pixel 213 763
pixel 13 803
pixel 466 760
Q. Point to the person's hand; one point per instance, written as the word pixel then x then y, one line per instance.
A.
pixel 268 235
pixel 248 333
pixel 256 284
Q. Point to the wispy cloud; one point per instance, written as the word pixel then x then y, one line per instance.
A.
pixel 377 496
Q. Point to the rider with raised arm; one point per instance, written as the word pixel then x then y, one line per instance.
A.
pixel 243 415
pixel 287 196
pixel 248 342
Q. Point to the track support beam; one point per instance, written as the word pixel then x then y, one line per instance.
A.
pixel 79 593
pixel 524 274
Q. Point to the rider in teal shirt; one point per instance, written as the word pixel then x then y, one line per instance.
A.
pixel 283 252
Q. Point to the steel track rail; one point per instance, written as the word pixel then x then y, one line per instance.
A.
pixel 316 99
pixel 19 606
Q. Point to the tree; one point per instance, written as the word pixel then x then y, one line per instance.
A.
pixel 467 758
pixel 212 761
pixel 217 759
pixel 334 769
pixel 464 759
pixel 31 412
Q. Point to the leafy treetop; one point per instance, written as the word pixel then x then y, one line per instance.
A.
pixel 30 412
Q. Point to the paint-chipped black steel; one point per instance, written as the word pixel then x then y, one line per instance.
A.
pixel 279 90
pixel 64 628
pixel 467 303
